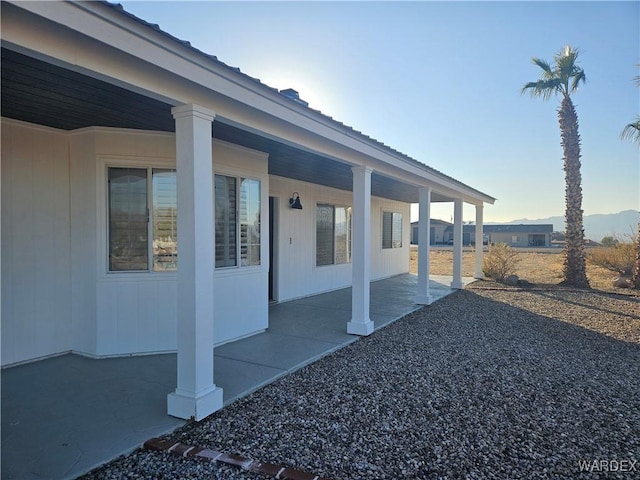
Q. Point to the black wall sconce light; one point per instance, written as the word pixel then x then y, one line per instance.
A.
pixel 294 201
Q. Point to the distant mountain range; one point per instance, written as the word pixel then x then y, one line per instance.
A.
pixel 596 226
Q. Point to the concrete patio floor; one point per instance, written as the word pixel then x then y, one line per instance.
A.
pixel 63 416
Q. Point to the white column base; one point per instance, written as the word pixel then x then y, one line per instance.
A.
pixel 478 276
pixel 457 285
pixel 185 406
pixel 423 299
pixel 360 328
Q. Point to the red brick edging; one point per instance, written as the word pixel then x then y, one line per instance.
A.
pixel 276 471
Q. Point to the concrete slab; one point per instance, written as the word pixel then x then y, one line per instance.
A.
pixel 63 416
pixel 238 378
pixel 282 352
pixel 66 415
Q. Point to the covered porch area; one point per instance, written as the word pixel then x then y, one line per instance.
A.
pixel 66 415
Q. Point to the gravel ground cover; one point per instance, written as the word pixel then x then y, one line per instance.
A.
pixel 486 383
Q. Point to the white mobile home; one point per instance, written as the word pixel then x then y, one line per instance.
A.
pixel 148 195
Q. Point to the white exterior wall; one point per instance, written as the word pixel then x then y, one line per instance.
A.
pixel 36 280
pixel 386 262
pixel 241 305
pixel 137 312
pixel 57 295
pixel 296 272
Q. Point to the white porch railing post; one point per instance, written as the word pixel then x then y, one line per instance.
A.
pixel 479 243
pixel 360 323
pixel 457 244
pixel 423 296
pixel 196 395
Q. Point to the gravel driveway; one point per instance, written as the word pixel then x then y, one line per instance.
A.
pixel 483 384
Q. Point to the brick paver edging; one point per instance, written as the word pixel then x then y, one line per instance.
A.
pixel 276 471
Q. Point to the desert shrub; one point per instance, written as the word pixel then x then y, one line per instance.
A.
pixel 500 261
pixel 609 241
pixel 618 258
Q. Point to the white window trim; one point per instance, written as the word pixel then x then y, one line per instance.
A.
pixel 402 233
pixel 315 234
pixel 104 162
pixel 238 175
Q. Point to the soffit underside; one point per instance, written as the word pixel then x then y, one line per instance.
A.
pixel 41 93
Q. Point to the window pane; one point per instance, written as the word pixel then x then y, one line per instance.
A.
pixel 391 230
pixel 128 235
pixel 343 234
pixel 324 234
pixel 396 235
pixel 249 222
pixel 387 222
pixel 226 221
pixel 165 225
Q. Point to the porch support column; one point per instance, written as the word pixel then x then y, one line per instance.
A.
pixel 424 241
pixel 196 395
pixel 479 243
pixel 457 244
pixel 360 323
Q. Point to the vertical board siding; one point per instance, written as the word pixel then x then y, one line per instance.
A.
pixel 36 300
pixel 134 316
pixel 83 242
pixel 241 294
pixel 137 313
pixel 56 293
pixel 296 271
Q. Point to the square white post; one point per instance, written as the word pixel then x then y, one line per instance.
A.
pixel 479 243
pixel 196 395
pixel 457 244
pixel 424 240
pixel 360 323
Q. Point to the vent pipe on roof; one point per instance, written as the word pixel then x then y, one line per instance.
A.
pixel 293 95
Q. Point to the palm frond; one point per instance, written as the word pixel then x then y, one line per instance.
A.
pixel 543 64
pixel 577 78
pixel 544 89
pixel 632 132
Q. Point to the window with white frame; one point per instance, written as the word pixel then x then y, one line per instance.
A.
pixel 142 205
pixel 391 230
pixel 333 234
pixel 237 217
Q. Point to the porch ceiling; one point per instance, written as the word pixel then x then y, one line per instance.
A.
pixel 45 94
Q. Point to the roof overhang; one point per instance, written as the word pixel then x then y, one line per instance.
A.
pixel 72 65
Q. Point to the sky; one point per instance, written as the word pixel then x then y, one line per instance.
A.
pixel 441 82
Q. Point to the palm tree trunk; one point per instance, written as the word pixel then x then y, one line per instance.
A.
pixel 574 263
pixel 635 279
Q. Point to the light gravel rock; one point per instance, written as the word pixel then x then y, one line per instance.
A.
pixel 486 383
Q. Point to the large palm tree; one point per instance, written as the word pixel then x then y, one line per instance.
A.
pixel 632 132
pixel 563 78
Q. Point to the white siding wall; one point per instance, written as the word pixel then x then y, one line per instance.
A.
pixel 84 231
pixel 137 312
pixel 241 304
pixel 386 262
pixel 134 312
pixel 296 271
pixel 36 309
pixel 57 294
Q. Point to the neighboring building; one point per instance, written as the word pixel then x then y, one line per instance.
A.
pixel 513 235
pixel 437 229
pixel 119 139
pixel 520 235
